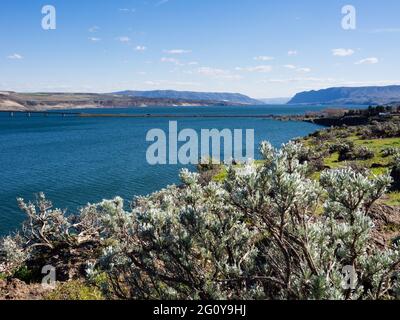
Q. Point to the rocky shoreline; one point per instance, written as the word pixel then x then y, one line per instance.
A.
pixel 342 117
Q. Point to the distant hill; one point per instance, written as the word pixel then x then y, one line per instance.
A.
pixel 349 95
pixel 275 100
pixel 52 101
pixel 235 98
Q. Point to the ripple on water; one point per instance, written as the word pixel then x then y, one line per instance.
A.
pixel 76 161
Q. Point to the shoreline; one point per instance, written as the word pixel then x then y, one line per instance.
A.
pixel 70 101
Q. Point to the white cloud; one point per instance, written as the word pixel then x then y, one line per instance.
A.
pixel 168 83
pixel 371 60
pixel 371 83
pixel 305 70
pixel 292 53
pixel 177 51
pixel 94 29
pixel 312 83
pixel 261 69
pixel 178 62
pixel 298 69
pixel 217 73
pixel 302 79
pixel 124 39
pixel 264 58
pixel 341 52
pixel 15 56
pixel 94 39
pixel 207 71
pixel 171 60
pixel 140 48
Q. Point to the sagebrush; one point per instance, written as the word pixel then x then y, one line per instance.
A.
pixel 266 232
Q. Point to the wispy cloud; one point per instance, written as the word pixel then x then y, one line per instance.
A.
pixel 313 83
pixel 298 69
pixel 94 29
pixel 371 83
pixel 217 73
pixel 177 51
pixel 15 56
pixel 386 30
pixel 371 60
pixel 341 52
pixel 171 60
pixel 126 10
pixel 140 48
pixel 259 69
pixel 169 83
pixel 94 39
pixel 264 58
pixel 303 70
pixel 178 62
pixel 304 79
pixel 124 39
pixel 292 53
pixel 161 2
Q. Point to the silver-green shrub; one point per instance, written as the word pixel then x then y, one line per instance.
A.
pixel 266 232
pixel 12 255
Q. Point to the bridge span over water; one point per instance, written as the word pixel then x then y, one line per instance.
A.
pixel 30 113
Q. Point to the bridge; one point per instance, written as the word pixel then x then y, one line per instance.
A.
pixel 29 113
pixel 176 116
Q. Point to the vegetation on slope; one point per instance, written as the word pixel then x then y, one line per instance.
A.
pixel 305 222
pixel 267 232
pixel 374 147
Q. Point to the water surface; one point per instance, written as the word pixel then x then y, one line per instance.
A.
pixel 80 160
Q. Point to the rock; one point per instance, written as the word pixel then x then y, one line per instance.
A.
pixel 14 289
pixel 387 224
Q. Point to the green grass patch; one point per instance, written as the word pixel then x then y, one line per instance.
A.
pixel 378 164
pixel 74 291
pixel 393 199
pixel 24 274
pixel 221 176
pixel 333 161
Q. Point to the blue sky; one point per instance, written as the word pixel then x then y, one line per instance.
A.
pixel 263 48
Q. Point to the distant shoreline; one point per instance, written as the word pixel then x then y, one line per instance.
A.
pixel 147 115
pixel 12 101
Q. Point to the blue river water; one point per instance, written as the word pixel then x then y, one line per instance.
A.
pixel 76 161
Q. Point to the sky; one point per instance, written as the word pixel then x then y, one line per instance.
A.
pixel 262 48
